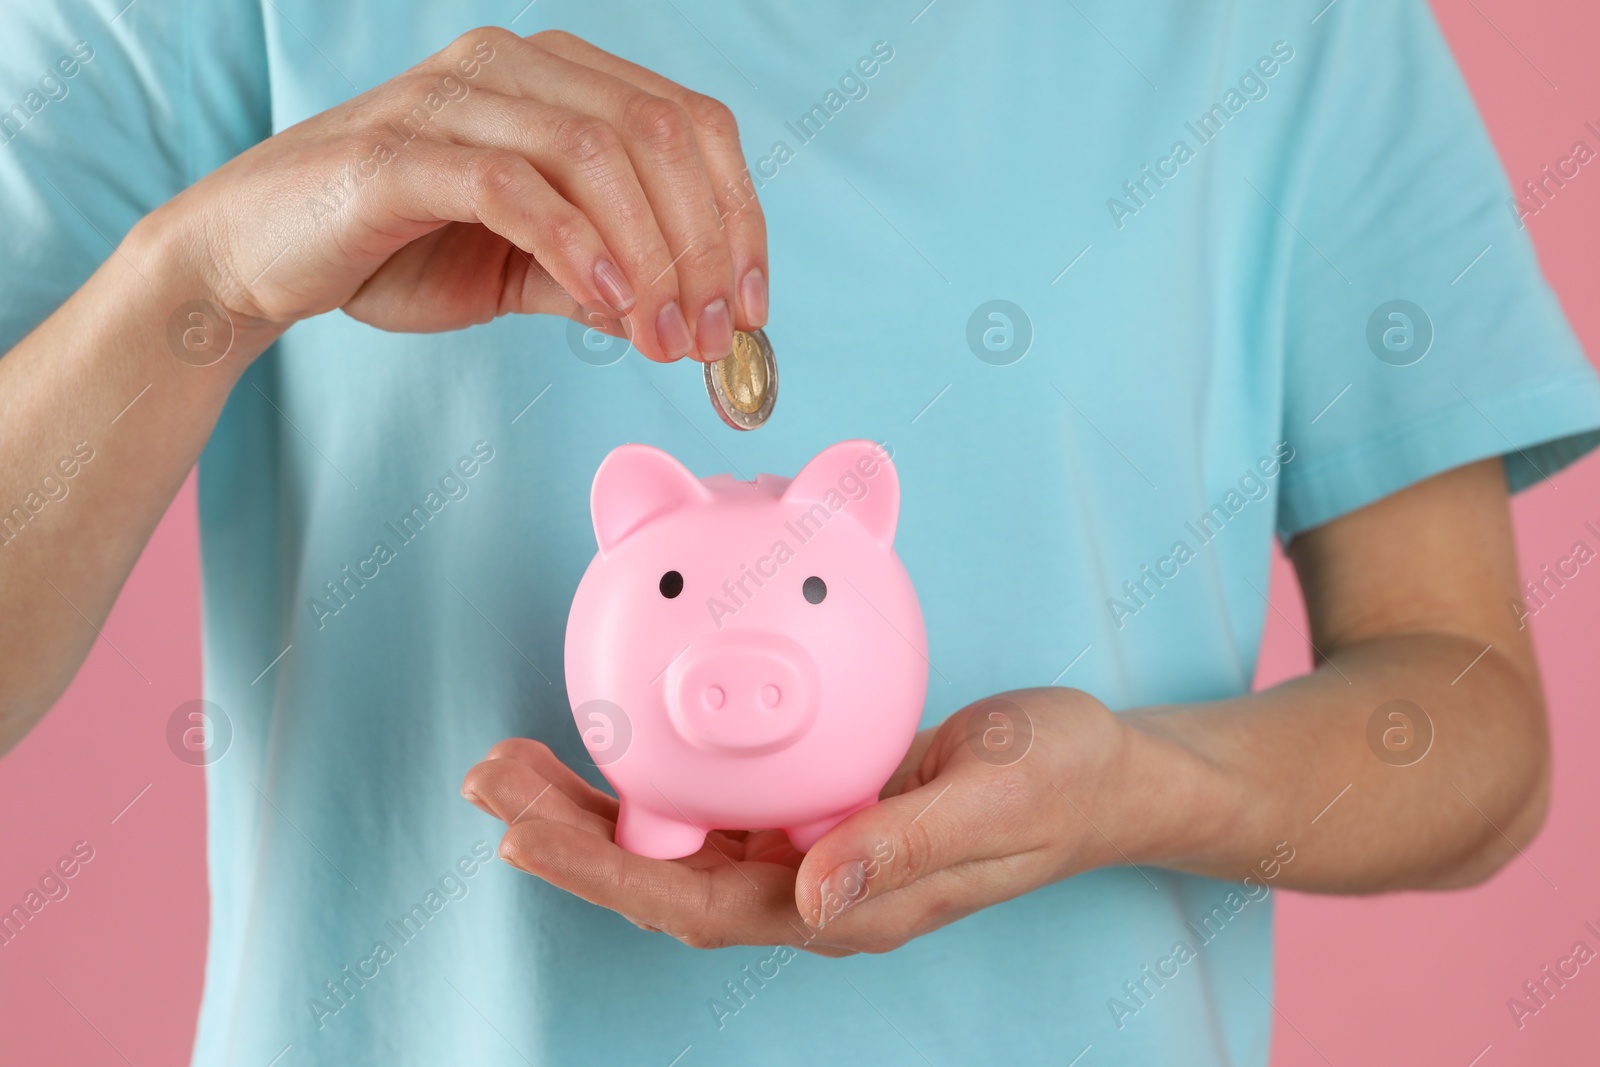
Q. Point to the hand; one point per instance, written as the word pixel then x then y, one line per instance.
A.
pixel 955 832
pixel 501 175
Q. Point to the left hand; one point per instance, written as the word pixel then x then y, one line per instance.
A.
pixel 959 827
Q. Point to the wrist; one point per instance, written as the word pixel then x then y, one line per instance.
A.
pixel 194 296
pixel 1189 812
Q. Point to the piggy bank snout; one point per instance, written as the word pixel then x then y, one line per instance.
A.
pixel 749 692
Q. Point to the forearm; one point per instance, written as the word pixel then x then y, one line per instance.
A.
pixel 100 422
pixel 1294 764
pixel 1407 596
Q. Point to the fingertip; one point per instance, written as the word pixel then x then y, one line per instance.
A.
pixel 514 748
pixel 714 331
pixel 470 790
pixel 672 331
pixel 834 851
pixel 753 298
pixel 642 335
pixel 613 287
pixel 479 803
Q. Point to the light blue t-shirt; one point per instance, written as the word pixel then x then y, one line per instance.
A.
pixel 1257 269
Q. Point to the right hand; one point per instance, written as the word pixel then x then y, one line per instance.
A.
pixel 536 175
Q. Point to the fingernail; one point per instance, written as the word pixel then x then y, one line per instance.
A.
pixel 845 886
pixel 672 330
pixel 613 285
pixel 753 295
pixel 714 337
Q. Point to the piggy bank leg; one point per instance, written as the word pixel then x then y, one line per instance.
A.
pixel 645 833
pixel 804 836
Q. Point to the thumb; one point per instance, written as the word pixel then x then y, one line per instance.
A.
pixel 893 843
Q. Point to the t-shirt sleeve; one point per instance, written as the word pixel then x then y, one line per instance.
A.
pixel 1419 334
pixel 107 110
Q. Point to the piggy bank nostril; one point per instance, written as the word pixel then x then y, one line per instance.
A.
pixel 742 691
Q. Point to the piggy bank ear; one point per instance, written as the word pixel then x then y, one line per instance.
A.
pixel 635 484
pixel 854 477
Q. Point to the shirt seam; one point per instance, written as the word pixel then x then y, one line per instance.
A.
pixel 1309 500
pixel 1442 414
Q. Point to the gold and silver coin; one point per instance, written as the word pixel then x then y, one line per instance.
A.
pixel 743 385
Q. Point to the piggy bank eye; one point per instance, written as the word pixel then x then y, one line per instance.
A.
pixel 671 584
pixel 814 589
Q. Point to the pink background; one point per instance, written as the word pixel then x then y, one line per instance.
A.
pixel 112 972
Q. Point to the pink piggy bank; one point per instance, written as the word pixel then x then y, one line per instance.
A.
pixel 744 655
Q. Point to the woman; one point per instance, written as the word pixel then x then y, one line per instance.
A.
pixel 1126 294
